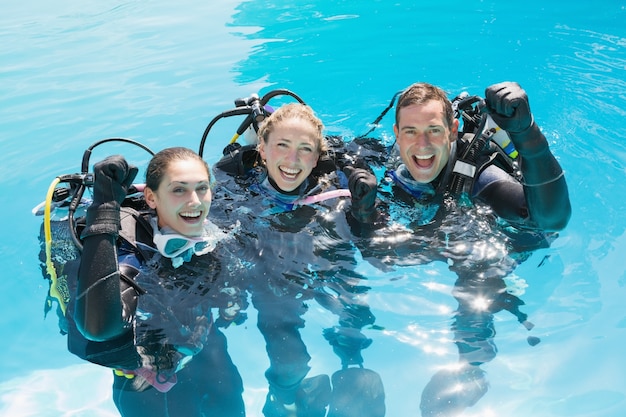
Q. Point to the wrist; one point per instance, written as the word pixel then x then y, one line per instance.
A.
pixel 102 219
pixel 364 215
pixel 530 142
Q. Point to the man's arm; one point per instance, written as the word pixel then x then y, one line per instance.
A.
pixel 544 185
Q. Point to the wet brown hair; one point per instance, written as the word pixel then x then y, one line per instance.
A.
pixel 161 160
pixel 420 93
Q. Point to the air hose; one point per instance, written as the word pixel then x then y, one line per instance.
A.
pixel 255 110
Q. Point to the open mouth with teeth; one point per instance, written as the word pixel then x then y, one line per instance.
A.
pixel 289 174
pixel 191 216
pixel 424 161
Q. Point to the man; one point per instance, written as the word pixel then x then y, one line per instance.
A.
pixel 426 133
pixel 432 218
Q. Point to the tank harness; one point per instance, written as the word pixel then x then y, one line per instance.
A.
pixel 481 143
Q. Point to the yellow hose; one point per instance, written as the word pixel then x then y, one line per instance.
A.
pixel 54 281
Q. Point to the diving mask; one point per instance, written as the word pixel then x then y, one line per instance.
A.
pixel 172 245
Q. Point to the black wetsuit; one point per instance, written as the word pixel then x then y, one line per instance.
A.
pixel 299 253
pixel 166 331
pixel 482 236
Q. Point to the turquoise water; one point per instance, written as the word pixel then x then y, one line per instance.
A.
pixel 74 72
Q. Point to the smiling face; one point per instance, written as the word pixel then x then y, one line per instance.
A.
pixel 183 197
pixel 290 152
pixel 424 139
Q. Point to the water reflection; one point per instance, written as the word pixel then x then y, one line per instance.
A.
pixel 482 257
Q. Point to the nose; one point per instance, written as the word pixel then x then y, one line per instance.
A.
pixel 195 199
pixel 421 138
pixel 292 155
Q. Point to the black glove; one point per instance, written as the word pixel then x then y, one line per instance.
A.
pixel 363 187
pixel 113 177
pixel 509 108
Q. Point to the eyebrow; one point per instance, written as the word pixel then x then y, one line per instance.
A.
pixel 429 126
pixel 289 140
pixel 296 142
pixel 188 183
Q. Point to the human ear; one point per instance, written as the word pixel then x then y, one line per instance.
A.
pixel 150 197
pixel 454 130
pixel 261 149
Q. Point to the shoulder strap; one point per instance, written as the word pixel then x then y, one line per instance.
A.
pixel 135 227
pixel 472 157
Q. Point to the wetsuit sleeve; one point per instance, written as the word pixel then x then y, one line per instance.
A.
pixel 98 311
pixel 544 183
pixel 503 194
pixel 543 207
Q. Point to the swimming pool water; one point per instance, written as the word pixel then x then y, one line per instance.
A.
pixel 74 72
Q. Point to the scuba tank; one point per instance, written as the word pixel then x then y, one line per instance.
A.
pixel 471 110
pixel 238 159
pixel 485 144
pixel 63 214
pixel 60 232
pixel 501 137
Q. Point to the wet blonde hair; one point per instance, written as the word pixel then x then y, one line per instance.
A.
pixel 294 111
